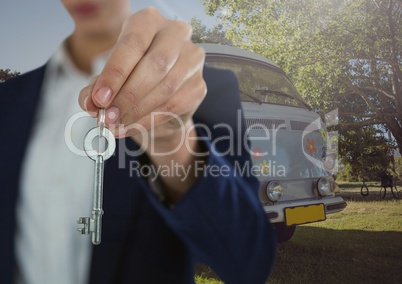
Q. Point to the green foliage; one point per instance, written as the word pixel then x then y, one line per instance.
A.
pixel 7 74
pixel 365 152
pixel 201 34
pixel 345 174
pixel 344 54
pixel 397 171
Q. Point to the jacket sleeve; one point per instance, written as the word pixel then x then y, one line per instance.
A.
pixel 220 219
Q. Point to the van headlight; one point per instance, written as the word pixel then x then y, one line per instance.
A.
pixel 274 190
pixel 324 186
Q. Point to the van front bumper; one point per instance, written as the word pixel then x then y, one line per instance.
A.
pixel 275 212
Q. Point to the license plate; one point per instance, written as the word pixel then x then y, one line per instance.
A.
pixel 304 214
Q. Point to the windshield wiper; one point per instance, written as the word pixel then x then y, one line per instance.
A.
pixel 256 100
pixel 265 91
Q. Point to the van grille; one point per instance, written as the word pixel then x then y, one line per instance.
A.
pixel 299 125
pixel 260 123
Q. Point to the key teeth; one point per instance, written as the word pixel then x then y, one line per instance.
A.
pixel 86 221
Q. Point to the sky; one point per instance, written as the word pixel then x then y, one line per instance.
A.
pixel 31 30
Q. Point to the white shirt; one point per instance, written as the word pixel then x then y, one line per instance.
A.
pixel 57 185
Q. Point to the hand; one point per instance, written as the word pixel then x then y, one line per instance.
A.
pixel 154 67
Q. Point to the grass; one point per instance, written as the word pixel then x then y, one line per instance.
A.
pixel 362 244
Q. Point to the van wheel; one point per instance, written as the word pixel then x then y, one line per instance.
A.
pixel 284 233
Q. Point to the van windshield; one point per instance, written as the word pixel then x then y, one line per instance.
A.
pixel 259 82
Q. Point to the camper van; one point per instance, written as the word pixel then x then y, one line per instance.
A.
pixel 290 148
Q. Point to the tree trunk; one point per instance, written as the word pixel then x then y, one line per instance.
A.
pixel 396 132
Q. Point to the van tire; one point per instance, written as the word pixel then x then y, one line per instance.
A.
pixel 283 233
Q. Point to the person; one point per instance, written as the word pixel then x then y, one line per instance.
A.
pixel 158 224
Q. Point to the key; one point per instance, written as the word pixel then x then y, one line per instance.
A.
pixel 94 224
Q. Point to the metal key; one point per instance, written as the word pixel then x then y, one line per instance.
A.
pixel 94 225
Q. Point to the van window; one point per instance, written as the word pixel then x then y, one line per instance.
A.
pixel 259 82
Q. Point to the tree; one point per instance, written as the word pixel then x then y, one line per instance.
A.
pixel 398 168
pixel 7 74
pixel 201 34
pixel 366 152
pixel 344 54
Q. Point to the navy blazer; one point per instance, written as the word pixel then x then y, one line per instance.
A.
pixel 219 221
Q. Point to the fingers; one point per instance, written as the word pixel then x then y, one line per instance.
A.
pixel 154 67
pixel 133 106
pixel 84 98
pixel 178 110
pixel 136 37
